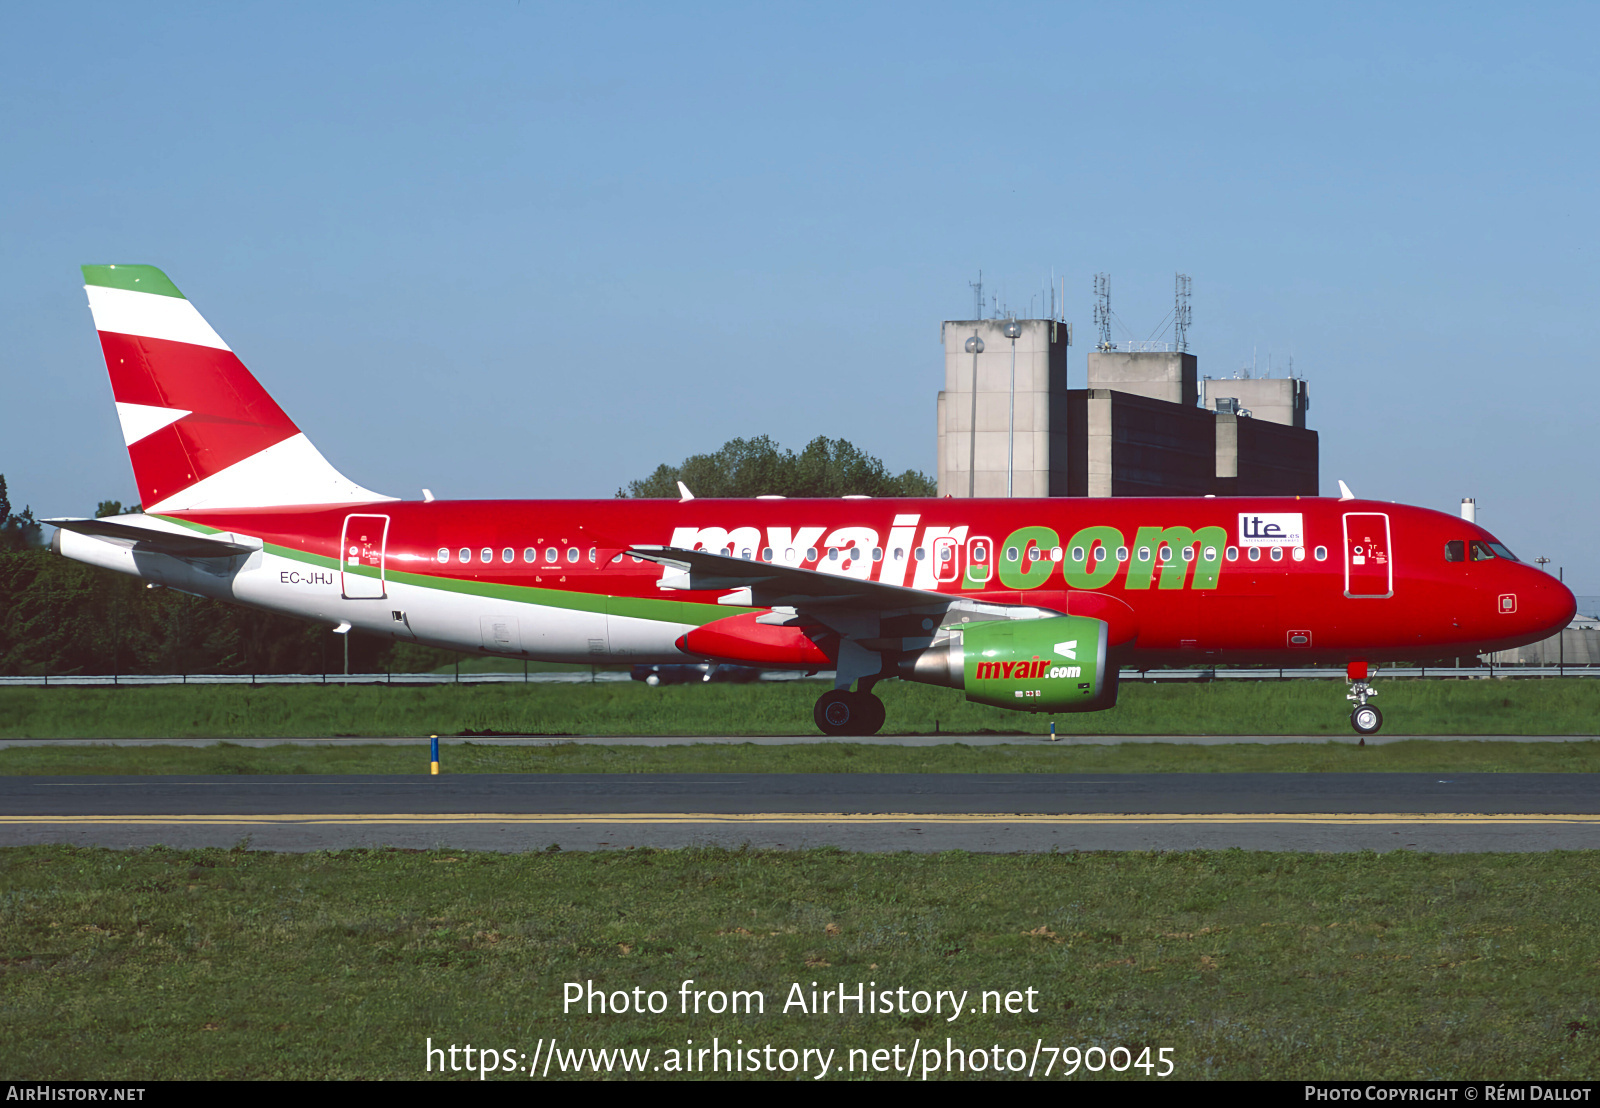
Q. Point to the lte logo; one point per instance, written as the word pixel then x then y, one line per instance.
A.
pixel 1508 603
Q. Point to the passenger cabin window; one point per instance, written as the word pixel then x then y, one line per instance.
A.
pixel 1077 553
pixel 488 554
pixel 572 554
pixel 1277 553
pixel 508 555
pixel 1144 553
pixel 444 554
pixel 877 553
pixel 1188 553
pixel 552 555
pixel 1320 553
pixel 594 556
pixel 1211 553
pixel 1455 550
pixel 1122 553
pixel 529 554
pixel 921 553
pixel 1232 554
pixel 1255 553
pixel 1299 553
pixel 466 554
pixel 811 553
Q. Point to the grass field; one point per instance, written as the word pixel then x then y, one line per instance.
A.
pixel 1555 706
pixel 1415 756
pixel 239 964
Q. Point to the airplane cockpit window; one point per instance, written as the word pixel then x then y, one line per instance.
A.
pixel 1500 549
pixel 1455 550
pixel 1482 551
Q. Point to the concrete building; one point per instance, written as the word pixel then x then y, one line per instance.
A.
pixel 1281 400
pixel 1137 430
pixel 1040 442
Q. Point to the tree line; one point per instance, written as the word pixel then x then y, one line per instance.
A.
pixel 61 617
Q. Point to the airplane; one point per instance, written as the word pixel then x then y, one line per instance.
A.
pixel 1026 604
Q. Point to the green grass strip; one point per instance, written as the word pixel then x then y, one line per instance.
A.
pixel 163 964
pixel 1554 706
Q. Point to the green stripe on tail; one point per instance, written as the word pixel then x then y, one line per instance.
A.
pixel 134 278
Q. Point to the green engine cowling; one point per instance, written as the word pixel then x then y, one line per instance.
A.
pixel 1056 664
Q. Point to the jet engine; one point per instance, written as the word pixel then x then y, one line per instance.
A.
pixel 1056 664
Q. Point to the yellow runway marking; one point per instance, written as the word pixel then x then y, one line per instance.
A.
pixel 1342 819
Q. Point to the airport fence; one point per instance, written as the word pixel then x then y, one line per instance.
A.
pixel 1220 673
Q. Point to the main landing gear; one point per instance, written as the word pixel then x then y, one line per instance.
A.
pixel 842 712
pixel 1365 718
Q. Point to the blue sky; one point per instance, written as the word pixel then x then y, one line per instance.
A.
pixel 527 250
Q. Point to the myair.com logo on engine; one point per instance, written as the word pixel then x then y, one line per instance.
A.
pixel 1034 669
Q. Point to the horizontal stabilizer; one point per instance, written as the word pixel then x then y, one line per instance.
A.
pixel 148 539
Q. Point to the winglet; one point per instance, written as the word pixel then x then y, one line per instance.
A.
pixel 686 495
pixel 1345 493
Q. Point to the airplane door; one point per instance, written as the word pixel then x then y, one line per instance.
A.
pixel 1368 561
pixel 361 557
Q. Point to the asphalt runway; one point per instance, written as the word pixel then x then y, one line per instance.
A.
pixel 876 812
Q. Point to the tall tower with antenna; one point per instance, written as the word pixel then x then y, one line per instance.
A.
pixel 1102 310
pixel 977 295
pixel 1182 314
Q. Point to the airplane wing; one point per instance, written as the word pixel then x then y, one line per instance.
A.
pixel 178 545
pixel 778 586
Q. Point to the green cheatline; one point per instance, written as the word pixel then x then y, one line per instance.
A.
pixel 134 278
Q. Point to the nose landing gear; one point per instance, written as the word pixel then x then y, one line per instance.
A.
pixel 1365 718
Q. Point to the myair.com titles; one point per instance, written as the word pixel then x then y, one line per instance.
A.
pixel 858 998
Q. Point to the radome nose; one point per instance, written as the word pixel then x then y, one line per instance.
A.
pixel 1551 606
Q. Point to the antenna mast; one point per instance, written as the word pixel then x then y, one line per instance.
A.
pixel 1182 314
pixel 977 295
pixel 1102 310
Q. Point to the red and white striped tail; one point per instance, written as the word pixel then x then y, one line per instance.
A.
pixel 200 429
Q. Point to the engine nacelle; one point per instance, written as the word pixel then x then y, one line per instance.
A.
pixel 1056 664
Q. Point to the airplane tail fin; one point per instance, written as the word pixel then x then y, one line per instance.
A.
pixel 200 429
